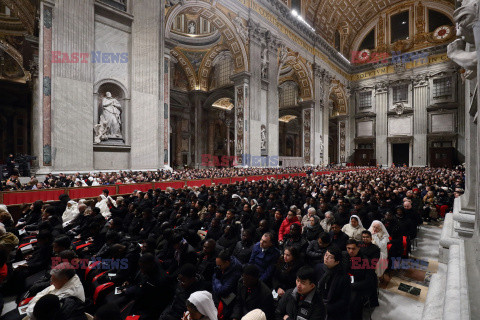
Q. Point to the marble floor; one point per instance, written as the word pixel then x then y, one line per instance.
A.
pixel 398 305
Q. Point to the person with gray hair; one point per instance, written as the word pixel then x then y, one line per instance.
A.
pixel 64 283
pixel 306 218
pixel 7 239
pixel 328 221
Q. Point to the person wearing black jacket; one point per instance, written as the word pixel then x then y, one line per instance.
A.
pixel 285 275
pixel 302 302
pixel 252 294
pixel 188 282
pixel 339 238
pixel 363 279
pixel 151 290
pixel 243 248
pixel 335 286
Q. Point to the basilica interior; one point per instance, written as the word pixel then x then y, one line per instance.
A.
pixel 92 85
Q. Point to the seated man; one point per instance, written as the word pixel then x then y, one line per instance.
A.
pixel 317 248
pixel 335 286
pixel 264 256
pixel 252 294
pixel 303 301
pixel 363 279
pixel 225 280
pixel 65 283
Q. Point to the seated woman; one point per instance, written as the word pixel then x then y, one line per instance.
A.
pixel 313 229
pixel 285 275
pixel 380 237
pixel 200 306
pixel 354 229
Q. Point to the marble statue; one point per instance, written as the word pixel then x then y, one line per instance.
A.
pixel 191 27
pixel 111 116
pixel 242 30
pixel 101 130
pixel 264 64
pixel 464 17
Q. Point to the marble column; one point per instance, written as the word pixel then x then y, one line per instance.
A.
pixel 420 121
pixel 258 112
pixel 197 98
pixel 242 118
pixel 342 140
pixel 464 220
pixel 272 125
pixel 318 120
pixel 381 108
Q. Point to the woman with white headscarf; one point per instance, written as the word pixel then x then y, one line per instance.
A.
pixel 380 237
pixel 70 213
pixel 354 229
pixel 200 306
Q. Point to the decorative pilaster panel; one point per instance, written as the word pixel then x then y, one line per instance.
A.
pixel 381 107
pixel 420 121
pixel 46 27
pixel 241 123
pixel 273 127
pixel 307 135
pixel 342 137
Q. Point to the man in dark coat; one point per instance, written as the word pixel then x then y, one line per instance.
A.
pixel 252 294
pixel 363 279
pixel 335 286
pixel 339 238
pixel 303 301
pixel 264 256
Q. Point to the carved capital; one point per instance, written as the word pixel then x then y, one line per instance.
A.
pixel 420 81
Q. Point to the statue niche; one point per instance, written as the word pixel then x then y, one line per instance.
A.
pixel 109 127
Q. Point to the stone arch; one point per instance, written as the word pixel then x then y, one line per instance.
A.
pixel 339 99
pixel 24 10
pixel 16 59
pixel 187 67
pixel 207 65
pixel 231 38
pixel 302 75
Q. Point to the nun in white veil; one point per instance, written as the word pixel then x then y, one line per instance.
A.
pixel 70 213
pixel 200 306
pixel 102 204
pixel 354 229
pixel 380 237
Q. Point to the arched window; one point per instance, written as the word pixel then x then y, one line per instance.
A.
pixel 437 19
pixel 368 42
pixel 337 40
pixel 288 94
pixel 223 70
pixel 400 26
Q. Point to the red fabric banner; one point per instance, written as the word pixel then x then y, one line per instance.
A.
pixel 198 183
pixel 217 181
pixel 18 197
pixel 235 179
pixel 256 178
pixel 79 193
pixel 129 188
pixel 171 184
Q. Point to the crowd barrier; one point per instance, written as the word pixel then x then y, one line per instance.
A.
pixel 10 198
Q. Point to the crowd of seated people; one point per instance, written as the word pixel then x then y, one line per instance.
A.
pixel 304 247
pixel 110 178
